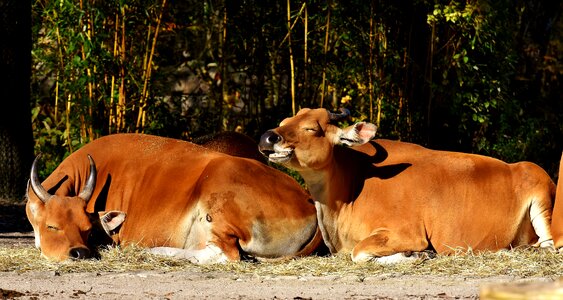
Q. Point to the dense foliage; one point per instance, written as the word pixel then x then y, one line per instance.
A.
pixel 474 76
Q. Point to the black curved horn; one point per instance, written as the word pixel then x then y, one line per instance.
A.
pixel 36 186
pixel 337 117
pixel 88 189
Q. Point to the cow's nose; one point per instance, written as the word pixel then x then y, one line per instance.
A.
pixel 269 138
pixel 79 253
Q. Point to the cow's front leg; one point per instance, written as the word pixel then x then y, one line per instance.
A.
pixel 386 247
pixel 211 254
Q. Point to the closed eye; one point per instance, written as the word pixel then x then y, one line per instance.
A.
pixel 315 131
pixel 312 127
pixel 53 228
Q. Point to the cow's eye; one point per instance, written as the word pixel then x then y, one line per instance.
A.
pixel 53 228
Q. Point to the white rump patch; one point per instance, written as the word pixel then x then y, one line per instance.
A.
pixel 211 254
pixel 547 244
pixel 541 225
pixel 385 260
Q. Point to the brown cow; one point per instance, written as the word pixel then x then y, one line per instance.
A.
pixel 383 200
pixel 232 143
pixel 557 222
pixel 183 199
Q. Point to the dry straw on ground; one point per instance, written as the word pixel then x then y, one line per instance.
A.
pixel 518 262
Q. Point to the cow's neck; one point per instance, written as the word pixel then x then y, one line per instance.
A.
pixel 332 189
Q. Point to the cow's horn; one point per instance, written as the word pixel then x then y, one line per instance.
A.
pixel 337 117
pixel 36 186
pixel 90 183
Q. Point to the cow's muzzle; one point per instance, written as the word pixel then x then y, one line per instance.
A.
pixel 79 253
pixel 270 147
pixel 267 142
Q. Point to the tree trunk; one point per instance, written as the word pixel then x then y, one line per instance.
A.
pixel 16 140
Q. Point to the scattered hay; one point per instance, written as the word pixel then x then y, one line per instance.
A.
pixel 113 259
pixel 519 262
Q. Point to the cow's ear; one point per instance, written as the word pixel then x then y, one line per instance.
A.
pixel 33 206
pixel 111 220
pixel 357 134
pixel 33 203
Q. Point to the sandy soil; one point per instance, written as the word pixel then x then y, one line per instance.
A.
pixel 193 284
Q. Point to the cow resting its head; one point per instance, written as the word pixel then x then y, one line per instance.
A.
pixel 306 140
pixel 61 224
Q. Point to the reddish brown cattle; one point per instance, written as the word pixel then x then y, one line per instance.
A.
pixel 382 200
pixel 183 199
pixel 232 143
pixel 557 223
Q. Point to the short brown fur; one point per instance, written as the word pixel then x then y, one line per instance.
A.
pixel 382 197
pixel 175 194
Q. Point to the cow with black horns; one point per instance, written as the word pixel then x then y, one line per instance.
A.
pixel 175 197
pixel 390 201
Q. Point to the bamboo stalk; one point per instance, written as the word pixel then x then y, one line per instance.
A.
pixel 382 39
pixel 67 115
pixel 86 130
pixel 325 51
pixel 224 69
pixel 59 43
pixel 379 104
pixel 60 47
pixel 82 128
pixel 91 82
pixel 370 67
pixel 305 54
pixel 121 99
pixel 112 108
pixel 144 78
pixel 291 62
pixel 147 74
pixel 56 96
pixel 294 22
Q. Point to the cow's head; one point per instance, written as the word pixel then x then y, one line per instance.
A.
pixel 306 140
pixel 62 227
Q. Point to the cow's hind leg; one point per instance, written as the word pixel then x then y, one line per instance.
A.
pixel 209 255
pixel 388 248
pixel 540 215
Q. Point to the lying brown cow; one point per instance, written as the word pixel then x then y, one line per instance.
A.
pixel 383 200
pixel 195 203
pixel 557 223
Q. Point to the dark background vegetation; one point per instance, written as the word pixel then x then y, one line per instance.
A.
pixel 473 76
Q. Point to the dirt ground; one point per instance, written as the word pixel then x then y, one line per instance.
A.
pixel 193 284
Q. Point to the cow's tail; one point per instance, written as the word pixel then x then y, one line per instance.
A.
pixel 557 216
pixel 315 245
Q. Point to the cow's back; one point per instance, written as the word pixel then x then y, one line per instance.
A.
pixel 408 176
pixel 232 143
pixel 148 177
pixel 182 195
